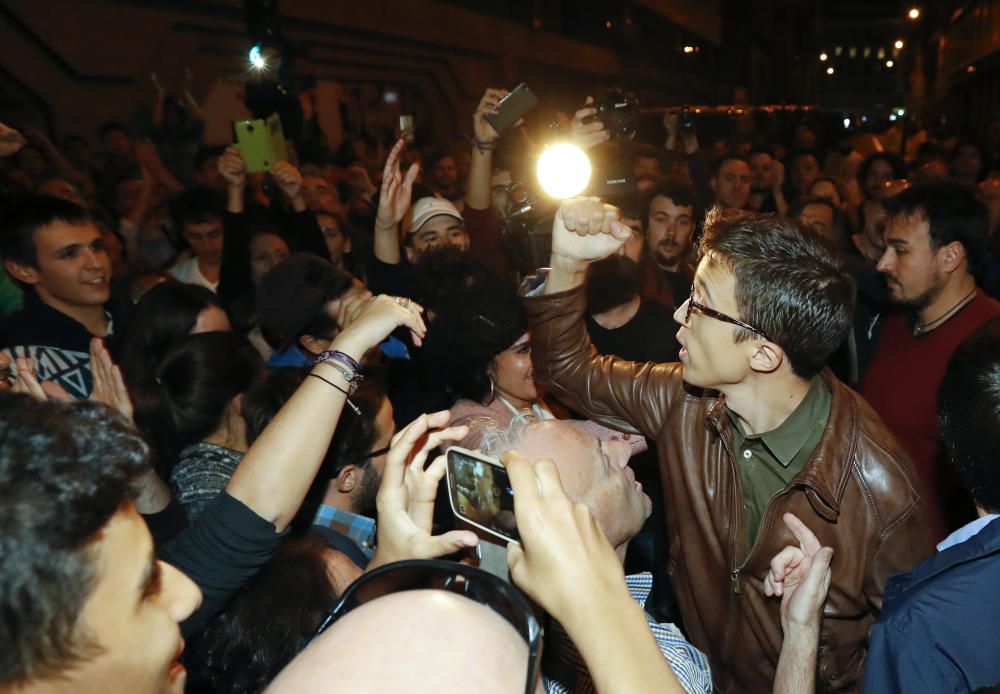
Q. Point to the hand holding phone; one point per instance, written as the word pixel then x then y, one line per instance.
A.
pixel 262 142
pixel 512 107
pixel 480 493
pixel 405 499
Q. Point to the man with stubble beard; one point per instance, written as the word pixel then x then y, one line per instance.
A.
pixel 669 221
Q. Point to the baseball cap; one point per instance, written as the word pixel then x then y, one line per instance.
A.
pixel 426 208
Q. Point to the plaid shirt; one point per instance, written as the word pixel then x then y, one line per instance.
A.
pixel 565 672
pixel 361 529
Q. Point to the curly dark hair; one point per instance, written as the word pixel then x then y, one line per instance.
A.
pixel 65 469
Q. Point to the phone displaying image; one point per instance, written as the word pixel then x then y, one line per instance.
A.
pixel 480 493
pixel 518 102
pixel 262 142
pixel 406 128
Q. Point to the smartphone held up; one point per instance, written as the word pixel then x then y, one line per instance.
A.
pixel 480 493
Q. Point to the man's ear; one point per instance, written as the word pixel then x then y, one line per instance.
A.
pixel 411 254
pixel 951 256
pixel 348 479
pixel 767 358
pixel 313 344
pixel 347 243
pixel 23 273
pixel 712 182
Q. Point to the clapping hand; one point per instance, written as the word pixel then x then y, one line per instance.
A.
pixel 397 190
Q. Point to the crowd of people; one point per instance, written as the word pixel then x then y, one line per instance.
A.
pixel 749 419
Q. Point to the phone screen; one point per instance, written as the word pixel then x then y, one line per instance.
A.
pixel 480 493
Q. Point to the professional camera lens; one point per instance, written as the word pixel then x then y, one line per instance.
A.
pixel 618 109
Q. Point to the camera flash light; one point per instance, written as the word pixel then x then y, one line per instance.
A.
pixel 563 170
pixel 257 58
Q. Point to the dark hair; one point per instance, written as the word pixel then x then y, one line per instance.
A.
pixel 353 438
pixel 728 156
pixel 73 139
pixel 65 469
pixel 984 157
pixel 795 154
pixel 196 206
pixel 266 624
pixel 761 148
pixel 432 157
pixel 969 413
pixel 641 151
pixel 269 395
pixel 477 315
pixel 953 213
pixel 206 153
pixel 25 216
pixel 787 285
pixel 196 381
pixel 797 207
pixel 679 193
pixel 893 160
pixel 166 314
pixel 109 127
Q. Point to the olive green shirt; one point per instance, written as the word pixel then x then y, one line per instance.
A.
pixel 767 462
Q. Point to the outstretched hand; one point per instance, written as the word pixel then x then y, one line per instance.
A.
pixel 405 499
pixel 397 190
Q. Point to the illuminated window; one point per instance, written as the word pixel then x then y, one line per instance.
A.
pixel 852 52
pixel 867 52
pixel 838 51
pixel 881 53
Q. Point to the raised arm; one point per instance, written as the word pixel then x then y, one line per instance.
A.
pixel 478 194
pixel 801 577
pixel 393 202
pixel 277 471
pixel 621 394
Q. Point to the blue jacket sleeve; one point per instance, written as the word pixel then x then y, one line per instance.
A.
pixel 898 662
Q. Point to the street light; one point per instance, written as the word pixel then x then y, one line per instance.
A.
pixel 889 63
pixel 898 45
pixel 823 57
pixel 830 70
pixel 914 13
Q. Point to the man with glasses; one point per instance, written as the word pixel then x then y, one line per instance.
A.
pixel 749 426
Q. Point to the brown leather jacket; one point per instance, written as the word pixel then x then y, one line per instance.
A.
pixel 857 493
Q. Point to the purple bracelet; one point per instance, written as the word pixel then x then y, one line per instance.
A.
pixel 337 355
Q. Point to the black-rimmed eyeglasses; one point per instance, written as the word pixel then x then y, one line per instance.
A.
pixel 468 581
pixel 704 310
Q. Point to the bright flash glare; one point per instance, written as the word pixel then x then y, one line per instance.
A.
pixel 257 59
pixel 563 170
